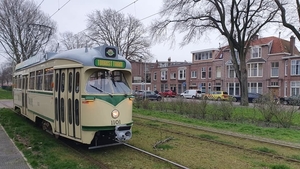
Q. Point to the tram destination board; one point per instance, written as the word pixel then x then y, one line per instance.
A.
pixel 110 63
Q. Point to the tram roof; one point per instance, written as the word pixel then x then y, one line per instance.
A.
pixel 84 56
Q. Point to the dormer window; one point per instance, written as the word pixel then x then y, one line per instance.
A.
pixel 256 52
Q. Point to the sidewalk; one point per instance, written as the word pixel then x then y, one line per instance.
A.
pixel 10 156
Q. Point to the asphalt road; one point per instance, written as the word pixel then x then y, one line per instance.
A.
pixel 6 103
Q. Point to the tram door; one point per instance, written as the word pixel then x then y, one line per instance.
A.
pixel 73 106
pixel 24 94
pixel 60 99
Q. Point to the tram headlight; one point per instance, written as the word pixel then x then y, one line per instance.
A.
pixel 115 114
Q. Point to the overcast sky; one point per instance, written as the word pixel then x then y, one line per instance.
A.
pixel 71 15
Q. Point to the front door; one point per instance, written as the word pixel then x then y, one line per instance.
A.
pixel 73 106
pixel 60 95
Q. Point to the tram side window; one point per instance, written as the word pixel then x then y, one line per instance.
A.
pixel 15 81
pixel 19 82
pixel 48 79
pixel 39 79
pixel 77 82
pixel 31 80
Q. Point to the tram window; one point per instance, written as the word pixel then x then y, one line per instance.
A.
pixel 23 82
pixel 77 112
pixel 56 109
pixel 62 110
pixel 70 82
pixel 70 111
pixel 39 79
pixel 62 82
pixel 56 82
pixel 31 80
pixel 48 79
pixel 77 82
pixel 19 81
pixel 15 81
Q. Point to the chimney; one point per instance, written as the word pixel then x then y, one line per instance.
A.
pixel 292 45
pixel 255 37
pixel 169 61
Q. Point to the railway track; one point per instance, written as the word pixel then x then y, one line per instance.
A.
pixel 156 156
pixel 236 135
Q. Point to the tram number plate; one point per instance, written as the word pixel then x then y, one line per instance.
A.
pixel 115 122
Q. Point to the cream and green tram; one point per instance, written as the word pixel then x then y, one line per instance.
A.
pixel 81 94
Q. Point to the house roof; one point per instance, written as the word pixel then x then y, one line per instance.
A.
pixel 276 44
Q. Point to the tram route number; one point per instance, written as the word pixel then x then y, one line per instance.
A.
pixel 115 122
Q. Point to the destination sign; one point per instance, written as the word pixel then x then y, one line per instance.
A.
pixel 110 63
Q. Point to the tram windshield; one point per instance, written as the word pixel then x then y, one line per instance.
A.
pixel 107 82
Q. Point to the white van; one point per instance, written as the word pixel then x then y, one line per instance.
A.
pixel 191 94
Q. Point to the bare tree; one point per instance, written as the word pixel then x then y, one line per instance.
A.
pixel 290 15
pixel 127 33
pixel 6 72
pixel 237 20
pixel 73 41
pixel 24 29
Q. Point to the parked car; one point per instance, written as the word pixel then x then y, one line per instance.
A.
pixel 252 97
pixel 150 95
pixel 191 94
pixel 292 100
pixel 216 95
pixel 168 93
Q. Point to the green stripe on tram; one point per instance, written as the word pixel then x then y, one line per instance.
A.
pixel 44 117
pixel 114 100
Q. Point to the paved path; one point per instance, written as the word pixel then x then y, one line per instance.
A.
pixel 10 156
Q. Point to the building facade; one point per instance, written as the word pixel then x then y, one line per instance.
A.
pixel 273 65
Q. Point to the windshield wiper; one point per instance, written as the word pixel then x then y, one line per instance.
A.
pixel 100 90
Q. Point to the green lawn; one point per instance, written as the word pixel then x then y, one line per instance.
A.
pixel 5 94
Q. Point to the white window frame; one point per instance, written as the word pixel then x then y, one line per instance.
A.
pixel 255 69
pixel 193 74
pixel 203 72
pixel 231 72
pixel 295 67
pixel 274 69
pixel 173 75
pixel 154 76
pixel 164 75
pixel 181 74
pixel 295 88
pixel 256 52
pixel 255 87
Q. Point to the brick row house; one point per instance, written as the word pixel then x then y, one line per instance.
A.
pixel 273 65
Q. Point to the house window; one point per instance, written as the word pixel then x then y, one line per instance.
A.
pixel 285 67
pixel 203 87
pixel 256 52
pixel 209 72
pixel 274 69
pixel 255 69
pixel 181 74
pixel 154 76
pixel 164 75
pixel 295 88
pixel 173 75
pixel 255 88
pixel 193 74
pixel 231 72
pixel 218 71
pixel 273 83
pixel 295 68
pixel 203 73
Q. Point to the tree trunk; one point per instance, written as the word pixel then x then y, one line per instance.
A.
pixel 244 85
